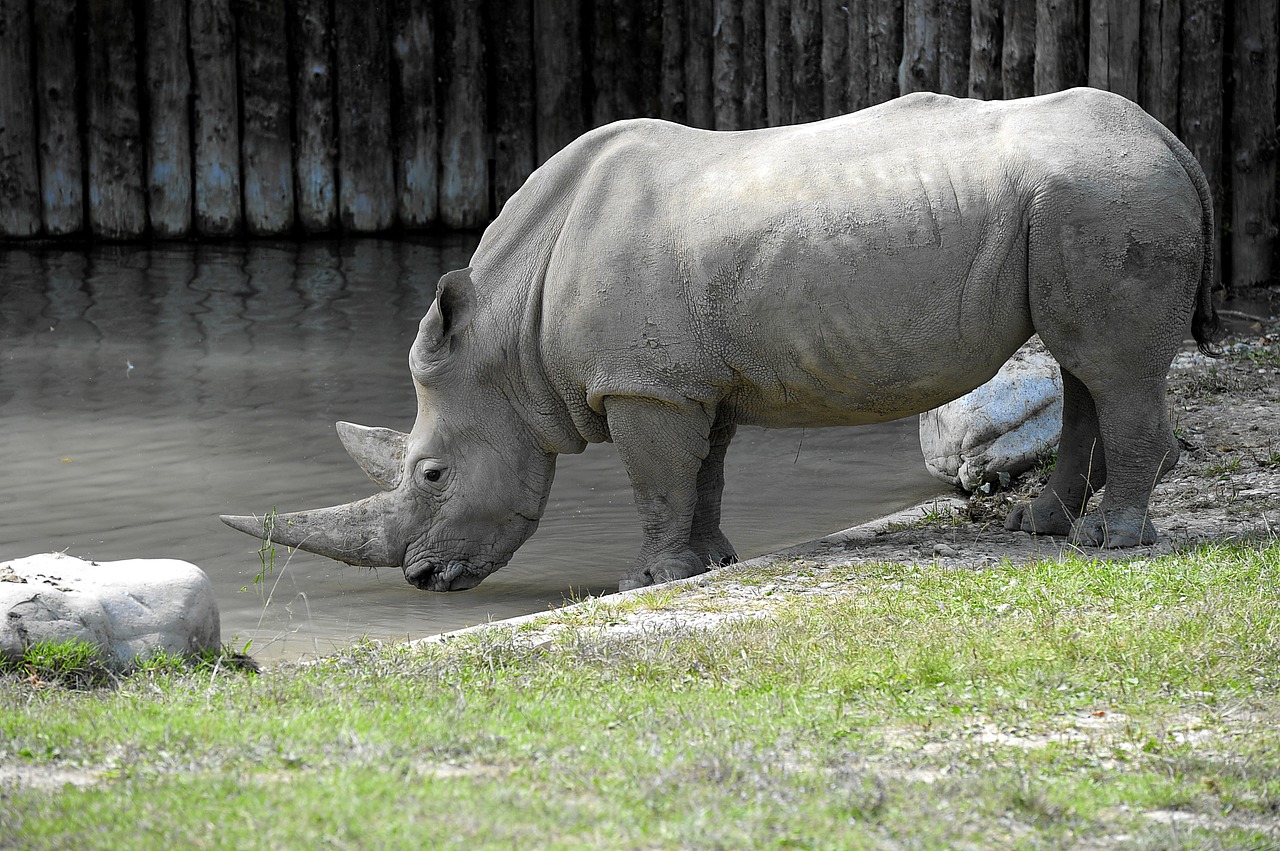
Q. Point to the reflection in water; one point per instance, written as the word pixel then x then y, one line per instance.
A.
pixel 144 391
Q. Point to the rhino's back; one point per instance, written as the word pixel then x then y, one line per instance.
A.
pixel 850 270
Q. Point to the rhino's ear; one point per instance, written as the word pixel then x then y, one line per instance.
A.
pixel 449 314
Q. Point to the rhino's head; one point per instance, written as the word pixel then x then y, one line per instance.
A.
pixel 460 492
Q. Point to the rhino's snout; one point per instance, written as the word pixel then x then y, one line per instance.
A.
pixel 455 576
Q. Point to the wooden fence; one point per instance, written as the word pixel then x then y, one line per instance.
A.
pixel 126 119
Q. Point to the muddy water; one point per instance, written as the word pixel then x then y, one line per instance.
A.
pixel 144 391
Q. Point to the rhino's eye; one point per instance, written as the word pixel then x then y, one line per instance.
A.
pixel 431 475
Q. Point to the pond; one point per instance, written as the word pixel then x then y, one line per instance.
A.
pixel 146 390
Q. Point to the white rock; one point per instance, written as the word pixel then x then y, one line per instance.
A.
pixel 1004 426
pixel 130 609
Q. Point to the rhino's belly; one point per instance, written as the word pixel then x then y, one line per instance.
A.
pixel 863 394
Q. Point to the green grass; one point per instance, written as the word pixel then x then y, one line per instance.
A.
pixel 1132 702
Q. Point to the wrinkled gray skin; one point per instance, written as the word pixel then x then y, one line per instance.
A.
pixel 657 286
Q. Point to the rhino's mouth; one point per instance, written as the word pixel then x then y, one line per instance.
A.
pixel 454 576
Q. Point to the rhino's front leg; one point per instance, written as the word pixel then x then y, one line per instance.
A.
pixel 663 447
pixel 706 539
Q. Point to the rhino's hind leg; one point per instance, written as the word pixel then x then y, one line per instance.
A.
pixel 663 447
pixel 1080 470
pixel 1141 448
pixel 705 538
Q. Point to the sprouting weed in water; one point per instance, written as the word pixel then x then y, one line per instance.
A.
pixel 266 552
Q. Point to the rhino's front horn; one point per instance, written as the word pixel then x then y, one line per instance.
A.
pixel 378 451
pixel 355 533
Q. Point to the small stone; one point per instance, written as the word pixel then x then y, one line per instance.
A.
pixel 129 609
pixel 945 551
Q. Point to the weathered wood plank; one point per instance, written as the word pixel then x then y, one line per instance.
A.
pixel 729 89
pixel 215 118
pixel 806 60
pixel 513 114
pixel 1254 144
pixel 117 201
pixel 1061 37
pixel 1018 64
pixel 649 25
pixel 267 109
pixel 1115 30
pixel 673 102
pixel 884 49
pixel 986 55
pixel 1201 123
pixel 606 55
pixel 58 90
pixel 19 171
pixel 699 64
pixel 921 34
pixel 315 175
pixel 558 84
pixel 366 176
pixel 1159 72
pixel 953 47
pixel 835 57
pixel 779 82
pixel 414 107
pixel 858 82
pixel 464 172
pixel 755 105
pixel 168 82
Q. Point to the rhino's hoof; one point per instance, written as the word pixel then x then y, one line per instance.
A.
pixel 1037 519
pixel 628 583
pixel 1125 527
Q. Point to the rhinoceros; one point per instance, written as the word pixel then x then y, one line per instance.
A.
pixel 657 286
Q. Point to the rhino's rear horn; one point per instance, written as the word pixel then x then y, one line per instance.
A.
pixel 378 451
pixel 354 533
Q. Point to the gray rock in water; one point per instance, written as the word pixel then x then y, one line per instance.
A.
pixel 1003 427
pixel 130 609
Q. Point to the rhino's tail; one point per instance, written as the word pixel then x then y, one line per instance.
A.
pixel 1205 326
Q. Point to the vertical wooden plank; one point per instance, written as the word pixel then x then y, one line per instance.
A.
pixel 512 114
pixel 728 65
pixel 1200 116
pixel 674 103
pixel 267 108
pixel 464 164
pixel 315 176
pixel 1254 144
pixel 806 63
pixel 779 92
pixel 1018 63
pixel 557 55
pixel 858 93
pixel 1115 29
pixel 628 33
pixel 19 170
pixel 986 55
pixel 215 118
pixel 921 41
pixel 835 57
pixel 649 25
pixel 698 62
pixel 1159 72
pixel 1061 37
pixel 953 47
pixel 413 97
pixel 57 84
pixel 884 49
pixel 755 105
pixel 605 58
pixel 168 82
pixel 117 206
pixel 366 177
